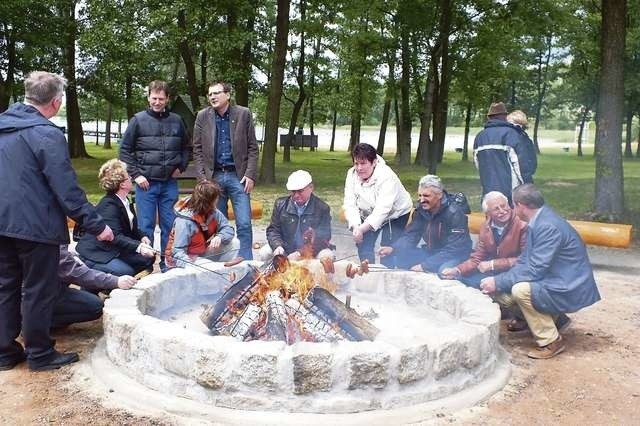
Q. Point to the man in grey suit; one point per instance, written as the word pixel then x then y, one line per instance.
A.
pixel 225 150
pixel 551 277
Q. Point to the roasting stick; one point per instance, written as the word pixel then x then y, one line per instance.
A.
pixel 188 262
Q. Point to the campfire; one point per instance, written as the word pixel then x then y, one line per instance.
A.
pixel 285 301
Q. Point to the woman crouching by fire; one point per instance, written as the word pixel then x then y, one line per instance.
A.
pixel 200 229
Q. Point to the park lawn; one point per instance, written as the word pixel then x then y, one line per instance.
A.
pixel 567 181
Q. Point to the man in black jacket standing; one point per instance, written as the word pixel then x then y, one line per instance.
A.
pixel 156 149
pixel 300 223
pixel 500 153
pixel 39 190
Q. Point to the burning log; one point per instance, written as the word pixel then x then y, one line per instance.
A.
pixel 332 310
pixel 234 300
pixel 266 305
pixel 246 322
pixel 314 325
pixel 276 327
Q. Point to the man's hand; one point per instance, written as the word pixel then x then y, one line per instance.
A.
pixel 146 250
pixel 385 251
pixel 248 184
pixel 215 242
pixel 485 266
pixel 145 240
pixel 450 273
pixel 294 256
pixel 488 285
pixel 278 251
pixel 176 173
pixel 142 182
pixel 417 268
pixel 106 234
pixel 125 282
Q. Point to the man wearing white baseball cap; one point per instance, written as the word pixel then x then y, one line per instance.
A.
pixel 300 223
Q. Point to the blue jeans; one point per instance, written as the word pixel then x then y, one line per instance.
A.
pixel 123 265
pixel 431 260
pixel 233 190
pixel 74 306
pixel 157 201
pixel 391 230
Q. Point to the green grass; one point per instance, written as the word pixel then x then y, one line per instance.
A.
pixel 567 181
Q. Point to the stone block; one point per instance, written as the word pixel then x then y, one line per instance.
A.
pixel 447 359
pixel 369 370
pixel 414 365
pixel 312 373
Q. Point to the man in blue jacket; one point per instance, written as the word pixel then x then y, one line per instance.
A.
pixel 552 276
pixel 156 148
pixel 440 222
pixel 500 153
pixel 39 190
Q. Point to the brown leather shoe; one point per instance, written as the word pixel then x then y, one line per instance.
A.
pixel 548 351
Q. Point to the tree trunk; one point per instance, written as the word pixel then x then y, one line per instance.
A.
pixel 356 118
pixel 628 152
pixel 388 96
pixel 609 190
pixel 286 157
pixel 467 128
pixel 543 70
pixel 334 122
pixel 424 140
pixel 128 96
pixel 404 142
pixel 267 170
pixel 184 46
pixel 107 129
pixel 97 129
pixel 75 136
pixel 441 103
pixel 6 87
pixel 583 120
pixel 638 144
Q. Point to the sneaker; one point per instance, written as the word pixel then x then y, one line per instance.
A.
pixel 548 351
pixel 562 322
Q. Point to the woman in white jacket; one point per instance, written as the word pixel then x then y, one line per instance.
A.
pixel 374 202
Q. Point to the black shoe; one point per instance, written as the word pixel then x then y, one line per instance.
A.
pixel 56 360
pixel 8 365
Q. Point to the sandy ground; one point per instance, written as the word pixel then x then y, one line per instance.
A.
pixel 596 381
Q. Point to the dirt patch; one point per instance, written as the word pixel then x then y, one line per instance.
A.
pixel 595 381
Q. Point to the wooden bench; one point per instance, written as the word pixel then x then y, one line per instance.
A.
pixel 595 233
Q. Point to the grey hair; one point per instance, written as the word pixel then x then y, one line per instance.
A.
pixel 41 87
pixel 432 181
pixel 491 195
pixel 529 195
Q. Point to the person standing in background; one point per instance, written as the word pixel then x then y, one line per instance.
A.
pixel 225 150
pixel 156 149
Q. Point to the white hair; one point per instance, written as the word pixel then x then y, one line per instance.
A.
pixel 432 181
pixel 490 196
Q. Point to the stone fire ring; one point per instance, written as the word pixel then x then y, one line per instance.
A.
pixel 459 367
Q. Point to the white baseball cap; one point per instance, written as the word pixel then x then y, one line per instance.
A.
pixel 298 180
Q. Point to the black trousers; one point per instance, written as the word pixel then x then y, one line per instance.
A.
pixel 29 288
pixel 74 306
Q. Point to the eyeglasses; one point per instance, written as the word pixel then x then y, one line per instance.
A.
pixel 217 93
